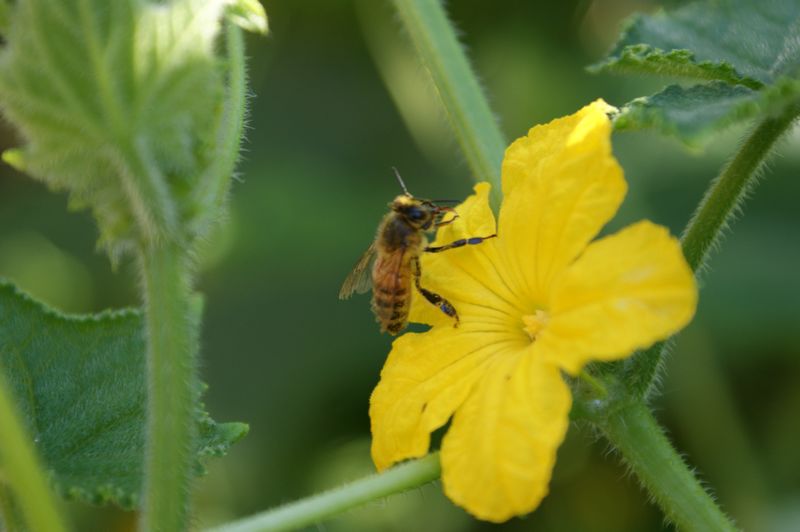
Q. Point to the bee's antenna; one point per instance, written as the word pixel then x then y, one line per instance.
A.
pixel 400 179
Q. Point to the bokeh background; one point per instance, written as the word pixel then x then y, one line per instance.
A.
pixel 337 100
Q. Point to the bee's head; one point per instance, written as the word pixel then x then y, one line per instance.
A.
pixel 417 212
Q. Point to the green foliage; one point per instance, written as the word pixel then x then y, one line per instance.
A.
pixel 747 53
pixel 645 59
pixel 79 382
pixel 737 41
pixel 119 103
pixel 694 113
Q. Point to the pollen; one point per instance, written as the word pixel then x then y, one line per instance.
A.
pixel 534 323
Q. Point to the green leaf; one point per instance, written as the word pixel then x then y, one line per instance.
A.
pixel 737 41
pixel 747 52
pixel 120 104
pixel 695 113
pixel 79 382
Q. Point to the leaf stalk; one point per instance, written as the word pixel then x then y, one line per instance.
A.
pixel 467 109
pixel 216 179
pixel 722 201
pixel 640 440
pixel 171 376
pixel 306 512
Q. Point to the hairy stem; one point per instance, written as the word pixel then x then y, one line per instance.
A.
pixel 465 104
pixel 171 351
pixel 717 209
pixel 727 192
pixel 314 509
pixel 216 179
pixel 23 473
pixel 644 447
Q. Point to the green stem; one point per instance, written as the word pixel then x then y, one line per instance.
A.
pixel 660 469
pixel 22 471
pixel 718 208
pixel 171 368
pixel 315 509
pixel 465 104
pixel 217 178
pixel 727 192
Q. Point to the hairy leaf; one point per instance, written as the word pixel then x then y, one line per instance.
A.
pixel 747 53
pixel 79 382
pixel 695 113
pixel 680 63
pixel 737 41
pixel 118 103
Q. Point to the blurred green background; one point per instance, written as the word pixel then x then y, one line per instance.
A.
pixel 281 352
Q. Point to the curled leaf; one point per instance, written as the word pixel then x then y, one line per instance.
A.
pixel 248 15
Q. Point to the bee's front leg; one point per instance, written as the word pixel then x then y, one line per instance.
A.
pixel 442 222
pixel 434 298
pixel 458 243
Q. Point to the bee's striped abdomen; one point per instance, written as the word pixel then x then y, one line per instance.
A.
pixel 391 291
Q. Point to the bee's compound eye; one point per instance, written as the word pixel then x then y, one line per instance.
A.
pixel 415 213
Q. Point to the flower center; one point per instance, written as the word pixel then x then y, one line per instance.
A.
pixel 535 322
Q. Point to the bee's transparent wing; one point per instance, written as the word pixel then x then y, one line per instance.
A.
pixel 360 279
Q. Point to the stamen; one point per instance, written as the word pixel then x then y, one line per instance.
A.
pixel 534 323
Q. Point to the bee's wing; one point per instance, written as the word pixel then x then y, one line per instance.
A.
pixel 360 279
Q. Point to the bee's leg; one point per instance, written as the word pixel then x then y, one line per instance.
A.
pixel 458 243
pixel 432 297
pixel 440 223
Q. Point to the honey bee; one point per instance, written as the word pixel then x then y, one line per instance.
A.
pixel 394 256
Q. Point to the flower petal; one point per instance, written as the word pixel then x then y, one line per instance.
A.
pixel 426 377
pixel 498 456
pixel 475 217
pixel 561 184
pixel 470 277
pixel 625 292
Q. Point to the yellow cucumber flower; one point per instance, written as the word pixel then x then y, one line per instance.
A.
pixel 539 300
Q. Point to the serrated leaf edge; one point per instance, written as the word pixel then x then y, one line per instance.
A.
pixel 679 62
pixel 108 493
pixel 113 314
pixel 771 100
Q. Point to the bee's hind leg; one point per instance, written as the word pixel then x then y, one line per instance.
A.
pixel 434 298
pixel 458 243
